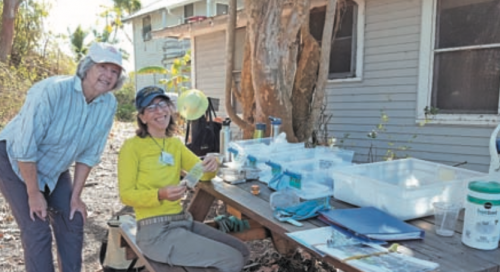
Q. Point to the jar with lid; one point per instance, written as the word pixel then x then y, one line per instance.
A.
pixel 260 130
pixel 481 227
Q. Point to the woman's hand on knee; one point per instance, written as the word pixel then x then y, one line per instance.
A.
pixel 38 205
pixel 77 205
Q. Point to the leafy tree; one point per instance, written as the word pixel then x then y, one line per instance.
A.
pixel 9 12
pixel 77 38
pixel 152 70
pixel 176 77
pixel 129 6
pixel 34 55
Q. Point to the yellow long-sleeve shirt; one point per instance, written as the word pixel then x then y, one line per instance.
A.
pixel 141 174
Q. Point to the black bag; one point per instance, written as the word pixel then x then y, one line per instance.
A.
pixel 204 133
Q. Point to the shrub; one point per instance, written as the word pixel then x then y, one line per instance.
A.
pixel 125 98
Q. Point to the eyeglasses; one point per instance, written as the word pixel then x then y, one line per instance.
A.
pixel 161 105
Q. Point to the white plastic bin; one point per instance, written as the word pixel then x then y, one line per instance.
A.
pixel 254 151
pixel 404 188
pixel 324 157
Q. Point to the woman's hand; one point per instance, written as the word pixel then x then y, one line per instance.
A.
pixel 210 164
pixel 38 205
pixel 171 193
pixel 77 205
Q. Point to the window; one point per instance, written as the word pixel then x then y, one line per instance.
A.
pixel 146 28
pixel 188 11
pixel 347 44
pixel 460 60
pixel 221 9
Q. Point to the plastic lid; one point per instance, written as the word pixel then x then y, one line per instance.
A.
pixel 260 126
pixel 275 120
pixel 486 187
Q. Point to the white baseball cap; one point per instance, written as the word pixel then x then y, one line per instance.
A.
pixel 105 53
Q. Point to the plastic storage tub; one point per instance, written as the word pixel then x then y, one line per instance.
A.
pixel 323 156
pixel 255 151
pixel 404 188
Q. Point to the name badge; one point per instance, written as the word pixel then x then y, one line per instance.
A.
pixel 166 158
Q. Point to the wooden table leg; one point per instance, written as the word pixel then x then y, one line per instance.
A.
pixel 282 245
pixel 200 205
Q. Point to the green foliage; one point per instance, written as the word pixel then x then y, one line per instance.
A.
pixel 125 97
pixel 77 43
pixel 13 88
pixel 35 56
pixel 176 76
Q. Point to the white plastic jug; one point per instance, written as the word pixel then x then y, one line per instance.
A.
pixel 494 172
pixel 481 228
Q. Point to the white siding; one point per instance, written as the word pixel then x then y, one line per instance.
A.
pixel 210 52
pixel 389 84
pixel 392 39
pixel 151 52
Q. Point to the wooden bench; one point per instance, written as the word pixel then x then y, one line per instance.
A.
pixel 128 231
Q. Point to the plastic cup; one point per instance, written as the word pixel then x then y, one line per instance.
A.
pixel 445 215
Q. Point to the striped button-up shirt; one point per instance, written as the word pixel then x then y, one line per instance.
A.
pixel 56 127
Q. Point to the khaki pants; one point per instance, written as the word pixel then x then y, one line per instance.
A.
pixel 192 244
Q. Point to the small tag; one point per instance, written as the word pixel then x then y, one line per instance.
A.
pixel 295 182
pixel 166 158
pixel 325 164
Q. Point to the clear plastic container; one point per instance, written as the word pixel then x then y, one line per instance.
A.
pixel 325 157
pixel 256 151
pixel 284 198
pixel 405 188
pixel 193 176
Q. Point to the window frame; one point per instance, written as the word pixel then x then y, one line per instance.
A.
pixel 185 11
pixel 358 38
pixel 426 72
pixel 217 4
pixel 146 33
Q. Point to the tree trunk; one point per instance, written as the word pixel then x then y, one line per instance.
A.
pixel 10 8
pixel 272 36
pixel 305 83
pixel 280 66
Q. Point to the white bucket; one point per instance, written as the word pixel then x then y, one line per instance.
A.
pixel 482 215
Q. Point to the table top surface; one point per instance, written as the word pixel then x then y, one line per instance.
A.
pixel 449 252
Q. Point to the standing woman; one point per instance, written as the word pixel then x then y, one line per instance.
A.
pixel 64 120
pixel 149 167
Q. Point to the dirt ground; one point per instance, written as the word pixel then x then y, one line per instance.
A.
pixel 101 196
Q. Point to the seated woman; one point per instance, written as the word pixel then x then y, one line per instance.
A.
pixel 149 168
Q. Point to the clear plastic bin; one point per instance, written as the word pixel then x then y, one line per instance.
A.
pixel 308 190
pixel 404 188
pixel 325 157
pixel 255 151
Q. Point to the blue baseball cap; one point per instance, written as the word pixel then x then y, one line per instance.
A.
pixel 147 94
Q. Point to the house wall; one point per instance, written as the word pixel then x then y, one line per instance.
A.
pixel 390 79
pixel 389 84
pixel 210 65
pixel 151 53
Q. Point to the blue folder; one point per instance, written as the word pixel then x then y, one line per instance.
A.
pixel 372 223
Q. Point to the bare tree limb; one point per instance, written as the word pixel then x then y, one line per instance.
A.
pixel 229 83
pixel 326 42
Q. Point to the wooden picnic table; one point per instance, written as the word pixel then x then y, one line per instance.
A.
pixel 449 252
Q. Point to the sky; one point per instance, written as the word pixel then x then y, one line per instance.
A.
pixel 66 14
